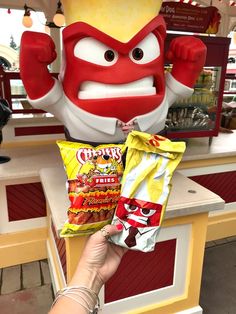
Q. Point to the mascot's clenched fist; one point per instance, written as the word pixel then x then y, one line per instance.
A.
pixel 112 79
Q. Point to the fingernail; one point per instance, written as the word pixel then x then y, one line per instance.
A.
pixel 119 226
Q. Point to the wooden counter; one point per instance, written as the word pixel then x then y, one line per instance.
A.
pixel 170 280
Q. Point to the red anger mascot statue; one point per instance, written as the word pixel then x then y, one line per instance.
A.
pixel 112 80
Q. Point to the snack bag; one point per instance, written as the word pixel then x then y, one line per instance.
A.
pixel 93 177
pixel 150 163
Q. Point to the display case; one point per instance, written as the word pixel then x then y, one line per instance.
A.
pixel 200 115
pixel 229 101
pixel 230 87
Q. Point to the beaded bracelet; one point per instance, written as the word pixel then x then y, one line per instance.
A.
pixel 78 291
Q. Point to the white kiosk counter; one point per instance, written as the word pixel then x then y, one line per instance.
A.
pixel 28 232
pixel 164 281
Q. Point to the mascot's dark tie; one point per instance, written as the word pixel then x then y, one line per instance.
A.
pixel 130 240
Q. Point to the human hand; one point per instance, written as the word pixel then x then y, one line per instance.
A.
pixel 100 259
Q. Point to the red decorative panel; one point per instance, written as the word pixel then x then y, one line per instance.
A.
pixel 223 184
pixel 61 249
pixel 142 272
pixel 25 201
pixel 37 130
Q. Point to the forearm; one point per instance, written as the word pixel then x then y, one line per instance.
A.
pixel 87 278
pixel 66 305
pixel 97 264
pixel 185 73
pixel 81 278
pixel 37 81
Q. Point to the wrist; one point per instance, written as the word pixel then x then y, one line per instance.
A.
pixel 82 297
pixel 87 277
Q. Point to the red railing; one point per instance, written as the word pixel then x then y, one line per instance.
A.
pixel 15 93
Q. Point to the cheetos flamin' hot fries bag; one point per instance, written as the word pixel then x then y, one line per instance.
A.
pixel 150 163
pixel 93 176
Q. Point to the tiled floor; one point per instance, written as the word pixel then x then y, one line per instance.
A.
pixel 218 290
pixel 26 289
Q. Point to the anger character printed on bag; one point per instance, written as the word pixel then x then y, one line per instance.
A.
pixel 138 218
pixel 112 78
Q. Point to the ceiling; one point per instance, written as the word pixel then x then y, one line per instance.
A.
pixel 47 6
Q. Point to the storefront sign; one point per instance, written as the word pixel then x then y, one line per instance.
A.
pixel 181 16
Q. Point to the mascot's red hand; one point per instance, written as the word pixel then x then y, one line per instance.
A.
pixel 188 55
pixel 36 53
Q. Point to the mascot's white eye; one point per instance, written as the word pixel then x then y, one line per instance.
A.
pixel 146 51
pixel 131 208
pixel 94 51
pixel 147 212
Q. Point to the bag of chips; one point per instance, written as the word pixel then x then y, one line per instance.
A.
pixel 150 163
pixel 93 177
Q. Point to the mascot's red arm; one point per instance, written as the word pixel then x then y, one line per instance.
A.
pixel 37 52
pixel 188 55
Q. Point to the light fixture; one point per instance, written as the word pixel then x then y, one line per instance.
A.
pixel 59 18
pixel 47 29
pixel 27 20
pixel 49 25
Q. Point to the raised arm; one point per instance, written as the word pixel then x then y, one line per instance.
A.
pixel 36 53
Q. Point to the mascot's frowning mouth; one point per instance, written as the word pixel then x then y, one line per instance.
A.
pixel 95 90
pixel 142 220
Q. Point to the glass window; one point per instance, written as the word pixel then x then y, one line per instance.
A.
pixel 11 23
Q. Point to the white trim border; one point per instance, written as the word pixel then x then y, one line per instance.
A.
pixel 7 226
pixel 183 235
pixel 193 310
pixel 207 170
pixel 52 268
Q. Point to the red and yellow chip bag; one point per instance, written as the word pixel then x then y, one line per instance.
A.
pixel 93 177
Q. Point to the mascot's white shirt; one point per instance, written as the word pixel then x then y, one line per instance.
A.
pixel 145 239
pixel 85 126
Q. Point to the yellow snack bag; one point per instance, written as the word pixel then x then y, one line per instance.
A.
pixel 150 163
pixel 93 177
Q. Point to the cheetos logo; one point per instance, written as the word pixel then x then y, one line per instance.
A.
pixel 105 154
